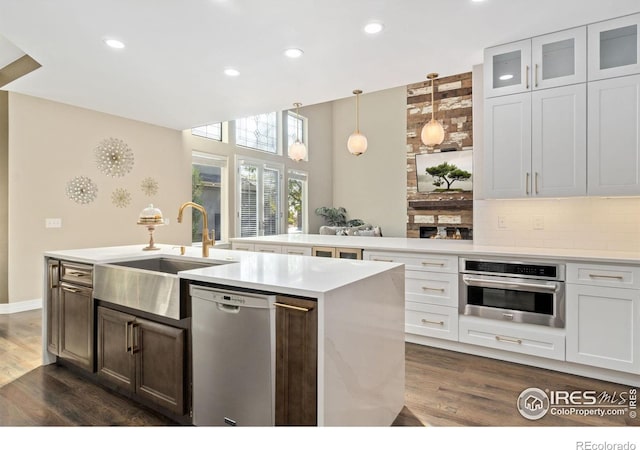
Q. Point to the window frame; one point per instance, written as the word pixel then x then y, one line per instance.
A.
pixel 278 134
pixel 304 177
pixel 261 165
pixel 206 134
pixel 211 159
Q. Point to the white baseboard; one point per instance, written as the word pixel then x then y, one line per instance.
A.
pixel 15 307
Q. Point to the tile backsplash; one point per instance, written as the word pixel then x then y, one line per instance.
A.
pixel 595 223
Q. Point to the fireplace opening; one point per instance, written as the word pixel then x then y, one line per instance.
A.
pixel 455 233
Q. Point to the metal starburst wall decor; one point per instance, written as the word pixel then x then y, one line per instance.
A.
pixel 82 190
pixel 114 157
pixel 121 198
pixel 149 186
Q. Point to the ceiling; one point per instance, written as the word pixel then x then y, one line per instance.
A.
pixel 171 71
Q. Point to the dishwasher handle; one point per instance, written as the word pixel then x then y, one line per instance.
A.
pixel 231 309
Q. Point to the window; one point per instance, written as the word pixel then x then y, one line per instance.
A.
pixel 208 188
pixel 259 132
pixel 211 131
pixel 296 202
pixel 260 198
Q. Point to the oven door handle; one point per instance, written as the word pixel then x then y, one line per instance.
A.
pixel 471 281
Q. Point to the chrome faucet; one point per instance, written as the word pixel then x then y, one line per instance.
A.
pixel 206 240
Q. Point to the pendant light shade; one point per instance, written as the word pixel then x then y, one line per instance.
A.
pixel 357 142
pixel 432 133
pixel 297 150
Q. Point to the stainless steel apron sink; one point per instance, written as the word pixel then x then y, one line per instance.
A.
pixel 151 284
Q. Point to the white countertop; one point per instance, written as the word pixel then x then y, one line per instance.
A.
pixel 460 248
pixel 287 274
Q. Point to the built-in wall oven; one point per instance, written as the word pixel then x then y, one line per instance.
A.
pixel 516 291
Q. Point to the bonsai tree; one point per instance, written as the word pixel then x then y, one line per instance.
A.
pixel 447 173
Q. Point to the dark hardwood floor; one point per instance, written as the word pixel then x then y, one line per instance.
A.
pixel 443 388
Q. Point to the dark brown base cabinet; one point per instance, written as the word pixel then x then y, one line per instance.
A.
pixel 296 361
pixel 70 312
pixel 142 357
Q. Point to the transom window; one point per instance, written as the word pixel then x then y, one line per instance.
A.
pixel 259 132
pixel 210 131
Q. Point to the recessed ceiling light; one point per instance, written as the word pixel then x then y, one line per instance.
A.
pixel 373 27
pixel 293 52
pixel 231 72
pixel 114 43
pixel 507 76
pixel 477 1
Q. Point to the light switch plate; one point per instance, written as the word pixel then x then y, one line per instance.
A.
pixel 502 222
pixel 53 223
pixel 538 222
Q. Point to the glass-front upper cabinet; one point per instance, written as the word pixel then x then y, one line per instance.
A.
pixel 614 47
pixel 552 60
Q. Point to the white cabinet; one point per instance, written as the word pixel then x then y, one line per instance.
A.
pixel 295 250
pixel 614 136
pixel 520 338
pixel 535 143
pixel 243 246
pixel 614 47
pixel 551 60
pixel 603 316
pixel 431 292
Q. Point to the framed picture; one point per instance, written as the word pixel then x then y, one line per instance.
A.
pixel 445 172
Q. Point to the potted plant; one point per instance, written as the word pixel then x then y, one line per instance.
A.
pixel 337 217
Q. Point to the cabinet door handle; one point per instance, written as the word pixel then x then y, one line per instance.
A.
pixel 614 277
pixel 134 338
pixel 72 290
pixel 536 75
pixel 427 288
pixel 526 184
pixel 382 260
pixel 434 322
pixel 127 337
pixel 510 340
pixel 297 308
pixel 427 263
pixel 536 182
pixel 527 77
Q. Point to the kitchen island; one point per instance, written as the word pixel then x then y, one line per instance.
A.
pixel 359 307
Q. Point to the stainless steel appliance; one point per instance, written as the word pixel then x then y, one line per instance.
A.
pixel 516 291
pixel 233 338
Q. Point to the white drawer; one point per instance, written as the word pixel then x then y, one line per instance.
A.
pixel 431 320
pixel 294 250
pixel 431 287
pixel 266 248
pixel 521 338
pixel 604 275
pixel 418 261
pixel 242 246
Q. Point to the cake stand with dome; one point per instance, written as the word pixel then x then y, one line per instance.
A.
pixel 151 217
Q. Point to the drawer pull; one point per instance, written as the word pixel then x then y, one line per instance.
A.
pixel 383 260
pixel 267 251
pixel 435 322
pixel 427 288
pixel 297 308
pixel 510 340
pixel 613 277
pixel 295 253
pixel 72 290
pixel 77 274
pixel 427 263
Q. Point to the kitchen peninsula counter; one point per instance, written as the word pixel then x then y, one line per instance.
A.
pixel 443 246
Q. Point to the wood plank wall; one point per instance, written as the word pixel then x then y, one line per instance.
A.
pixel 454 110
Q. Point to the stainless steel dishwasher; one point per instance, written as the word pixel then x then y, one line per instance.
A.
pixel 233 342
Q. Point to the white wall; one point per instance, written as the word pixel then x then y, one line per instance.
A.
pixel 373 186
pixel 49 144
pixel 4 185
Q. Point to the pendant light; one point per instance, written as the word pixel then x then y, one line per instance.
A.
pixel 432 133
pixel 357 143
pixel 297 150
